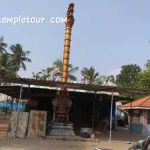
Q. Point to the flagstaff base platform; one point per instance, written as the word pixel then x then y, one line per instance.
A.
pixel 61 129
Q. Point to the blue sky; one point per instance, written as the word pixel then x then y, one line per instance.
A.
pixel 106 34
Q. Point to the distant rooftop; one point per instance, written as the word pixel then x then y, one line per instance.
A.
pixel 142 103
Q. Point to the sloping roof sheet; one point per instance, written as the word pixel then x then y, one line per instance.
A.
pixel 49 93
pixel 74 86
pixel 142 103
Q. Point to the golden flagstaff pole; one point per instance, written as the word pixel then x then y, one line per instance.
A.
pixel 63 105
pixel 69 24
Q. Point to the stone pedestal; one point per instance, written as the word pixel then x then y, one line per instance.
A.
pixel 61 129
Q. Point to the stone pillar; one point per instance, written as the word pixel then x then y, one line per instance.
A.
pixel 54 103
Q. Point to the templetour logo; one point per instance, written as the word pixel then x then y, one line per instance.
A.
pixel 31 20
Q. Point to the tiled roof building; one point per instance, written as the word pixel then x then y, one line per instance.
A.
pixel 142 103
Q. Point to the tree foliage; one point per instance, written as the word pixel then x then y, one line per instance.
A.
pixel 3 45
pixel 128 76
pixel 6 68
pixel 90 76
pixel 144 77
pixel 54 72
pixel 19 57
pixel 57 70
pixel 10 63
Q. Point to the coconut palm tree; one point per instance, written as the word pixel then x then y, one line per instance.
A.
pixel 36 75
pixel 3 45
pixel 45 74
pixel 19 57
pixel 90 76
pixel 57 70
pixel 6 67
pixel 54 72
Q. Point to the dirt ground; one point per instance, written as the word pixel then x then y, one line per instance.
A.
pixel 119 139
pixel 49 144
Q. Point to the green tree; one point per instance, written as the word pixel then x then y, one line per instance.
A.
pixel 19 57
pixel 128 76
pixel 90 76
pixel 144 77
pixel 36 75
pixel 57 69
pixel 54 72
pixel 6 67
pixel 3 45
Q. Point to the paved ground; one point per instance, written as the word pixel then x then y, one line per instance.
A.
pixel 119 138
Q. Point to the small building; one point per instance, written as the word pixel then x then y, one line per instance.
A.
pixel 89 109
pixel 92 105
pixel 139 115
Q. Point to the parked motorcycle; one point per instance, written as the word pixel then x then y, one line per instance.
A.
pixel 141 145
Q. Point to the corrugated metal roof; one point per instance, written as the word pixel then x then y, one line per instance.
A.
pixel 73 86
